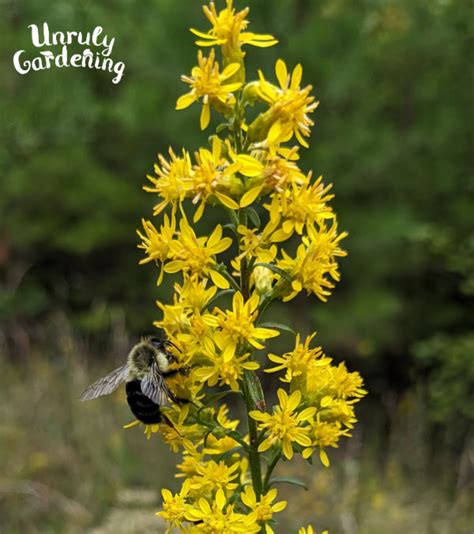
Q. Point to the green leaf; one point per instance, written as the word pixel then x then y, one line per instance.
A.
pixel 255 390
pixel 288 480
pixel 230 227
pixel 276 270
pixel 278 326
pixel 222 270
pixel 222 127
pixel 234 219
pixel 254 217
pixel 220 294
pixel 229 453
pixel 214 397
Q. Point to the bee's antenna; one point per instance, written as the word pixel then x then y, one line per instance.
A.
pixel 169 342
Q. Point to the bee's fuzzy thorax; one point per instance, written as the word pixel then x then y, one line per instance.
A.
pixel 142 356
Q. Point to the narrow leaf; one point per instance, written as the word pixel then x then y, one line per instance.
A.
pixel 218 295
pixel 288 480
pixel 229 453
pixel 255 390
pixel 276 270
pixel 228 277
pixel 222 127
pixel 214 397
pixel 254 217
pixel 278 326
pixel 233 217
pixel 230 227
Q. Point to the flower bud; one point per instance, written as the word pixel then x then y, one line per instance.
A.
pixel 250 93
pixel 263 280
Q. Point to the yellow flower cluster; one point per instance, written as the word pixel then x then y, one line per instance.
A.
pixel 281 239
pixel 325 394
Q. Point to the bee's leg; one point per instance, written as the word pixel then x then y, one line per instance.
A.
pixel 170 423
pixel 174 372
pixel 168 374
pixel 177 400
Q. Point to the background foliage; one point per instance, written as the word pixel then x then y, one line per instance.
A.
pixel 393 133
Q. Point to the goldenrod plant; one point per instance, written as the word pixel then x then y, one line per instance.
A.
pixel 280 238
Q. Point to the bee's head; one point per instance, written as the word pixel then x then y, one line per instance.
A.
pixel 157 342
pixel 163 345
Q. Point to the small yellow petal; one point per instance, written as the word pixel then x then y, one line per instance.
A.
pixel 250 196
pixel 227 201
pixel 287 449
pixel 324 457
pixel 296 76
pixel 219 280
pixel 279 506
pixel 185 101
pixel 199 212
pixel 326 401
pixel 274 133
pixel 229 71
pixel 281 72
pixel 205 116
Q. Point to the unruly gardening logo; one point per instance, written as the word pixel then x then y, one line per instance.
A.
pixel 99 59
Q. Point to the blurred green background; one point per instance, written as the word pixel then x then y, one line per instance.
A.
pixel 393 134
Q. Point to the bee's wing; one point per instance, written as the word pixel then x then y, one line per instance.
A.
pixel 154 386
pixel 106 384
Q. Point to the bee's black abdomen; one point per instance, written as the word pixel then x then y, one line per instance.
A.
pixel 143 408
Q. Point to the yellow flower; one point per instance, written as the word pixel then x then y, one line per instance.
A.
pixel 148 429
pixel 195 255
pixel 178 434
pixel 299 360
pixel 334 381
pixel 314 262
pixel 173 182
pixel 183 320
pixel 216 446
pixel 192 459
pixel 212 176
pixel 289 103
pixel 198 341
pixel 262 509
pixel 324 435
pixel 157 245
pixel 212 475
pixel 340 410
pixel 194 294
pixel 225 372
pixel 300 206
pixel 174 506
pixel 257 244
pixel 228 30
pixel 237 326
pixel 175 318
pixel 281 169
pixel 218 517
pixel 207 83
pixel 285 426
pixel 309 530
pixel 223 419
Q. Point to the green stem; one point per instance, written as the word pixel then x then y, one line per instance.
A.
pixel 270 469
pixel 244 267
pixel 254 455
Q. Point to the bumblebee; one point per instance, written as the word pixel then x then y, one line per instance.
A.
pixel 144 374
